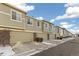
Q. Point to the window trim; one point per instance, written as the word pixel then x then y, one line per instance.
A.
pixel 18 13
pixel 29 24
pixel 46 28
pixel 37 24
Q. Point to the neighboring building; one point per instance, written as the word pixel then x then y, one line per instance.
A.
pixel 46 30
pixel 52 31
pixel 68 34
pixel 57 34
pixel 61 32
pixel 33 26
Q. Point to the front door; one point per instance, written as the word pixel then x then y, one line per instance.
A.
pixel 47 36
pixel 34 36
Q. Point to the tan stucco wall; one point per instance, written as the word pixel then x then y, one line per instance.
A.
pixel 56 32
pixel 65 33
pixel 22 36
pixel 61 32
pixel 5 20
pixel 44 27
pixel 33 27
pixel 52 36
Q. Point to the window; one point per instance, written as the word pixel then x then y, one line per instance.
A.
pixel 29 21
pixel 15 16
pixel 18 16
pixel 46 25
pixel 58 30
pixel 38 24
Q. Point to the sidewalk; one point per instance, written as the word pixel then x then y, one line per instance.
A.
pixel 31 48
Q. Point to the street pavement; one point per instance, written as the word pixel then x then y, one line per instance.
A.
pixel 47 48
pixel 70 48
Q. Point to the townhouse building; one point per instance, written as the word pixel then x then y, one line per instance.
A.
pixel 33 26
pixel 61 32
pixel 48 30
pixel 57 34
pixel 67 33
pixel 52 31
pixel 11 23
pixel 20 26
pixel 16 25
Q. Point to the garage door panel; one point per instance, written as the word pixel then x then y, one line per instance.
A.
pixel 21 36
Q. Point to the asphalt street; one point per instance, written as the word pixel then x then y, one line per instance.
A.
pixel 69 48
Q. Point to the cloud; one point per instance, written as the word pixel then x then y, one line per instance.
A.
pixel 40 18
pixel 72 11
pixel 76 28
pixel 23 7
pixel 52 20
pixel 70 27
pixel 74 31
pixel 71 4
pixel 66 25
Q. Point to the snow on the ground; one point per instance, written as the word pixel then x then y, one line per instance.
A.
pixel 6 51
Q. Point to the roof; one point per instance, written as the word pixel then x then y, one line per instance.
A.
pixel 47 22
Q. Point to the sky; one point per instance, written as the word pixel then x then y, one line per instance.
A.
pixel 65 15
pixel 60 14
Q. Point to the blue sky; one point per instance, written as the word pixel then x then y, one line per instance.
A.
pixel 48 11
pixel 61 14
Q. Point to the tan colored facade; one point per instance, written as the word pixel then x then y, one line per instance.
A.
pixel 61 32
pixel 16 27
pixel 33 26
pixel 48 30
pixel 57 34
pixel 52 31
pixel 6 17
pixel 22 27
pixel 67 33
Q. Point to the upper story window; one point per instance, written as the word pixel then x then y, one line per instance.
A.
pixel 46 25
pixel 38 23
pixel 29 21
pixel 52 26
pixel 58 30
pixel 16 16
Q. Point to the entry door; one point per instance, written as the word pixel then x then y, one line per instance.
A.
pixel 4 37
pixel 47 36
pixel 34 36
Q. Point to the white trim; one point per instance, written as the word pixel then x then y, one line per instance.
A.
pixel 5 13
pixel 36 25
pixel 31 20
pixel 18 13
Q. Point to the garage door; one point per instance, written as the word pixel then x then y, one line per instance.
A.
pixel 21 36
pixel 42 35
pixel 4 37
